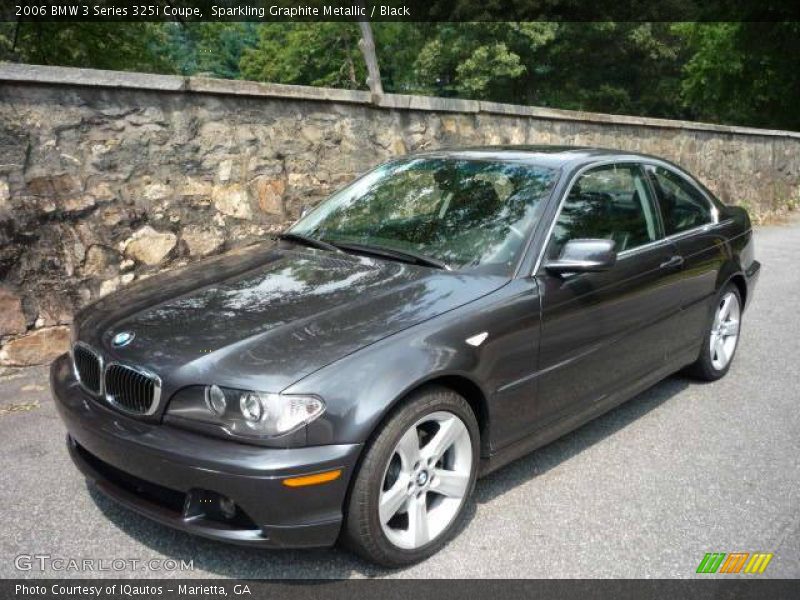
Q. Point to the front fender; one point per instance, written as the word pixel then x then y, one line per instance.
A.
pixel 360 389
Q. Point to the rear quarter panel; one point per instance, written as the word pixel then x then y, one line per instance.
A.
pixel 713 256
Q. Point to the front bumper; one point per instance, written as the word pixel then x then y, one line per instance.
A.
pixel 166 473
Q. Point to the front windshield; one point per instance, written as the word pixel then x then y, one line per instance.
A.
pixel 464 213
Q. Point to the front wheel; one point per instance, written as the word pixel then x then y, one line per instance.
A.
pixel 722 336
pixel 415 480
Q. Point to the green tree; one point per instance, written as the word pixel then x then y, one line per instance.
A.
pixel 323 54
pixel 744 73
pixel 495 61
pixel 397 46
pixel 628 68
pixel 119 46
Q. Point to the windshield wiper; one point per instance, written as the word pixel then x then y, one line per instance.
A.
pixel 299 238
pixel 404 255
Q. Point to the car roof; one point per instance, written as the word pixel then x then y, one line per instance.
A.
pixel 543 155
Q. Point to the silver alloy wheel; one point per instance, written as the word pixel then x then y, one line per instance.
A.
pixel 725 331
pixel 426 480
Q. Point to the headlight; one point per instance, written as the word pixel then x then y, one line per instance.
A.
pixel 244 413
pixel 216 401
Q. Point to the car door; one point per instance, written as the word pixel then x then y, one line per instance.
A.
pixel 690 220
pixel 603 331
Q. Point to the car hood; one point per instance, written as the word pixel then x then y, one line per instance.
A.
pixel 264 317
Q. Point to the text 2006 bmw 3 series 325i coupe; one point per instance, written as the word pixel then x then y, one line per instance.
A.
pixel 440 316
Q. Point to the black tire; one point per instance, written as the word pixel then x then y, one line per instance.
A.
pixel 703 368
pixel 362 531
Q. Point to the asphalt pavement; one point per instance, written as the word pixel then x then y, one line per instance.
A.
pixel 645 491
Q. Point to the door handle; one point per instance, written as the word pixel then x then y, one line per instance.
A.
pixel 674 262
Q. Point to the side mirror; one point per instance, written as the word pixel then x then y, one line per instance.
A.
pixel 304 210
pixel 584 256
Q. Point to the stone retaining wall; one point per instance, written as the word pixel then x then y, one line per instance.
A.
pixel 107 177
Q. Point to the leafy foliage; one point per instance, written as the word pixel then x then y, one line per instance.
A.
pixel 482 60
pixel 743 72
pixel 100 45
pixel 324 54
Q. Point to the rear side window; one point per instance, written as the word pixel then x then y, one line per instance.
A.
pixel 683 206
pixel 609 202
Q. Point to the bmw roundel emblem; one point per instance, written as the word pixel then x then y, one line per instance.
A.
pixel 123 338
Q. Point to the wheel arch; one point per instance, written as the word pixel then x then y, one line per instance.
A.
pixel 475 397
pixel 459 383
pixel 739 281
pixel 732 272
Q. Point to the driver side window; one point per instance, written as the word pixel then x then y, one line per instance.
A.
pixel 610 202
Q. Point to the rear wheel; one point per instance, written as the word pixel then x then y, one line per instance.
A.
pixel 722 337
pixel 417 475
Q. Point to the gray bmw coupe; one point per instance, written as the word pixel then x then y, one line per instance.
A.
pixel 441 316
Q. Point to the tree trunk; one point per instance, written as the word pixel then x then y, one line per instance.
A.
pixel 367 46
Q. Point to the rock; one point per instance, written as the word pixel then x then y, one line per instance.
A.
pixel 232 200
pixel 59 186
pixel 311 134
pixel 112 217
pixel 126 265
pixel 270 195
pixel 5 194
pixel 195 187
pixel 101 192
pixel 449 125
pixel 70 158
pixel 77 203
pixel 37 348
pixel 99 261
pixel 127 278
pixel 109 286
pixel 54 309
pixel 12 319
pixel 298 179
pixel 202 241
pixel 156 191
pixel 149 246
pixel 224 171
pixel 149 116
pixel 384 137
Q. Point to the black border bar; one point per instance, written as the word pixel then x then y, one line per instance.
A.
pixel 740 587
pixel 399 10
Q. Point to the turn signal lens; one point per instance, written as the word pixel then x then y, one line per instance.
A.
pixel 315 479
